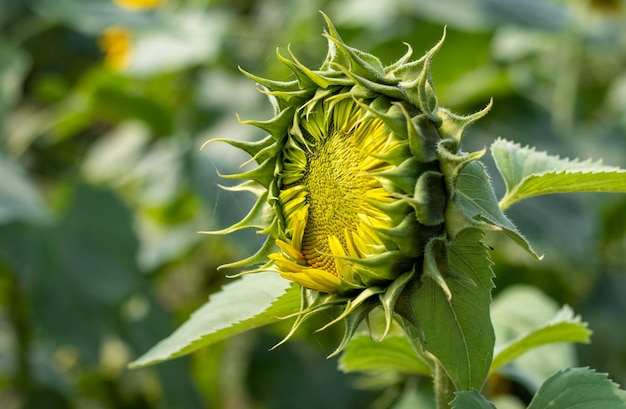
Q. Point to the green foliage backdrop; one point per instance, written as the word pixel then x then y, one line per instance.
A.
pixel 103 188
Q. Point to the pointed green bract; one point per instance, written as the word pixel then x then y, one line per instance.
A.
pixel 528 173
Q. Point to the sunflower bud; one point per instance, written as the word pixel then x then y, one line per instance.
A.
pixel 355 180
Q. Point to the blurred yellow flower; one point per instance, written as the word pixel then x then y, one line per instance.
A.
pixel 137 4
pixel 116 42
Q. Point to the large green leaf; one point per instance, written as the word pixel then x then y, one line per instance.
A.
pixel 477 200
pixel 579 388
pixel 458 331
pixel 77 272
pixel 564 327
pixel 394 353
pixel 471 400
pixel 249 302
pixel 528 173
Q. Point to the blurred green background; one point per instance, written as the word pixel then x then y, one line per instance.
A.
pixel 103 186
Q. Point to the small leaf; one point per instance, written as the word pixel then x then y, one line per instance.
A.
pixel 393 353
pixel 528 173
pixel 579 388
pixel 564 327
pixel 458 332
pixel 251 301
pixel 471 400
pixel 512 322
pixel 476 198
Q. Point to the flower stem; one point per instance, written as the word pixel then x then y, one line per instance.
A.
pixel 444 388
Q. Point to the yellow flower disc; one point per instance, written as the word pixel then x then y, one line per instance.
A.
pixel 328 201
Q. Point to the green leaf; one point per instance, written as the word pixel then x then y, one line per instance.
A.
pixel 413 398
pixel 181 39
pixel 579 388
pixel 82 267
pixel 477 200
pixel 459 331
pixel 564 327
pixel 511 322
pixel 19 200
pixel 528 173
pixel 14 64
pixel 471 400
pixel 92 17
pixel 249 302
pixel 393 353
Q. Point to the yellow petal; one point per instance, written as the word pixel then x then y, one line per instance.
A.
pixel 314 279
pixel 344 270
pixel 352 248
pixel 294 205
pixel 290 251
pixel 299 223
pixel 284 264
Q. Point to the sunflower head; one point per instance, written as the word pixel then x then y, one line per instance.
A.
pixel 355 180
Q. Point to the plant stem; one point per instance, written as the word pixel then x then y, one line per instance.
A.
pixel 444 388
pixel 18 315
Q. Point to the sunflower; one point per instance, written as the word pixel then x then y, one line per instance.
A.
pixel 355 180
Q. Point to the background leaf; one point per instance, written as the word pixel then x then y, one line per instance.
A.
pixel 393 353
pixel 564 327
pixel 19 200
pixel 251 301
pixel 471 400
pixel 528 173
pixel 579 388
pixel 459 331
pixel 511 323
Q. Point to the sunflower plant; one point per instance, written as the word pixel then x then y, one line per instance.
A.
pixel 375 216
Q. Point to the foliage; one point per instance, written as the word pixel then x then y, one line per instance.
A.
pixel 104 187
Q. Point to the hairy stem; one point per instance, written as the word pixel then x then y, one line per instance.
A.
pixel 444 388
